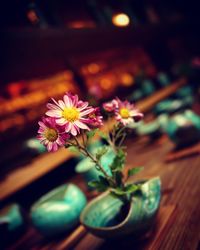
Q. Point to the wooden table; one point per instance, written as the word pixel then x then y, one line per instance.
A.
pixel 180 188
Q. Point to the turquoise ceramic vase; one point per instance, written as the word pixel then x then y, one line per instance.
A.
pixel 152 129
pixel 12 219
pixel 184 128
pixel 87 168
pixel 58 211
pixel 99 216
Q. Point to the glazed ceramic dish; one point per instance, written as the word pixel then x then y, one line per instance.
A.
pixel 58 211
pixel 99 216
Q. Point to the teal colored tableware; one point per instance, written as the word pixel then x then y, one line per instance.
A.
pixel 11 218
pixel 184 128
pixel 91 148
pixel 163 79
pixel 152 129
pixel 58 211
pixel 148 87
pixel 172 106
pixel 100 215
pixel 87 168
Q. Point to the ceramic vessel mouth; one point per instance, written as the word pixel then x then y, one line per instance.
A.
pixel 108 228
pixel 104 228
pixel 54 195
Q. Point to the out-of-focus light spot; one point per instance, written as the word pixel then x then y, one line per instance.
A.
pixel 68 75
pixel 93 68
pixel 106 83
pixel 81 24
pixel 127 79
pixel 121 20
pixel 32 16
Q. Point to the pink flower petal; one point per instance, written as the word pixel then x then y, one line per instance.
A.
pixel 54 113
pixel 81 125
pixel 73 130
pixel 61 121
pixel 41 124
pixel 67 101
pixel 49 146
pixel 75 101
pixel 68 127
pixel 52 106
pixel 61 104
pixel 41 130
pixel 54 147
pixel 86 112
pixel 82 105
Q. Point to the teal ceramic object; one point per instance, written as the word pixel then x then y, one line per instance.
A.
pixel 34 145
pixel 11 218
pixel 184 129
pixel 58 211
pixel 163 79
pixel 87 168
pixel 148 87
pixel 99 216
pixel 172 106
pixel 163 120
pixel 91 147
pixel 153 129
pixel 184 92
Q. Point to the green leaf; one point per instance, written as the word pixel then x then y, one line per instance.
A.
pixel 118 191
pixel 73 149
pixel 118 161
pixel 100 185
pixel 118 176
pixel 131 188
pixel 103 180
pixel 134 171
pixel 101 151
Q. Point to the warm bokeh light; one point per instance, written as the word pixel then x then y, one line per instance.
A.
pixel 106 83
pixel 127 79
pixel 93 68
pixel 32 16
pixel 121 20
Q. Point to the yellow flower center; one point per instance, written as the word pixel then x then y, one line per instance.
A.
pixel 124 113
pixel 51 134
pixel 71 114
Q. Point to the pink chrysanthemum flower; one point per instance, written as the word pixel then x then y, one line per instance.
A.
pixel 95 118
pixel 126 113
pixel 110 106
pixel 50 134
pixel 71 112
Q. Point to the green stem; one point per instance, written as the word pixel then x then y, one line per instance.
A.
pixel 85 151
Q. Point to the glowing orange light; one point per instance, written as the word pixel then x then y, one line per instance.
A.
pixel 93 68
pixel 127 79
pixel 106 83
pixel 32 16
pixel 121 20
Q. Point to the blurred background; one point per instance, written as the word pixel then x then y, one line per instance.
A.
pixel 97 49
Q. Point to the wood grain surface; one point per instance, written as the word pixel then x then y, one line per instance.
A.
pixel 180 188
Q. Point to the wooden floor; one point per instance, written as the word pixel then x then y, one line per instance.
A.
pixel 180 188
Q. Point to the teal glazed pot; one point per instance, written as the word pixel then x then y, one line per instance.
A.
pixel 99 216
pixel 184 129
pixel 172 106
pixel 87 168
pixel 152 129
pixel 58 211
pixel 91 148
pixel 12 219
